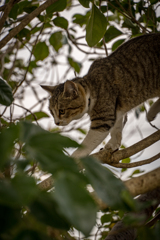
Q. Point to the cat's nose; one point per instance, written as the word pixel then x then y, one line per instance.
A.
pixel 57 123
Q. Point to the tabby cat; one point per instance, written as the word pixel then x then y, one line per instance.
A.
pixel 113 86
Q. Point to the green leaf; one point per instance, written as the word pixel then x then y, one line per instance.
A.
pixel 106 185
pixel 9 218
pixel 44 208
pixel 47 148
pixel 28 130
pixel 38 115
pixel 58 6
pixel 71 195
pixel 128 24
pixel 77 66
pixel 153 1
pixel 41 51
pixel 117 44
pixel 61 22
pixel 106 218
pixel 7 141
pixel 126 160
pixel 14 11
pixel 112 33
pixel 80 19
pixel 96 26
pixel 27 233
pixel 6 97
pixel 137 171
pixel 24 33
pixel 20 190
pixel 84 3
pixel 56 40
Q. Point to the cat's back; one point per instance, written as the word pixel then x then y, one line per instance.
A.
pixel 148 44
pixel 133 70
pixel 132 51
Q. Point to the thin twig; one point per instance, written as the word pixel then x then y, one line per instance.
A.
pixel 35 118
pixel 29 61
pixel 25 21
pixel 6 13
pixel 136 164
pixel 106 156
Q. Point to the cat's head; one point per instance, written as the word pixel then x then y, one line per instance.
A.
pixel 68 102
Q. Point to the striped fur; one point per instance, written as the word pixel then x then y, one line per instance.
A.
pixel 113 86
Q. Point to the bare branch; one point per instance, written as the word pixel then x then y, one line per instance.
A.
pixel 35 118
pixel 25 21
pixel 6 13
pixel 136 164
pixel 144 183
pixel 111 158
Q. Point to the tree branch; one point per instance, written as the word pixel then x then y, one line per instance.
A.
pixel 144 183
pixel 137 185
pixel 120 231
pixel 25 21
pixel 136 164
pixel 111 158
pixel 6 13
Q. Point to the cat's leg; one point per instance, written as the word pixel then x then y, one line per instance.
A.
pixel 116 133
pixel 91 141
pixel 155 108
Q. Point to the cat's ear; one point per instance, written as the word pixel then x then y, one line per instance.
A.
pixel 70 89
pixel 49 89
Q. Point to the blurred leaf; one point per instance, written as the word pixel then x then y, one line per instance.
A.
pixel 4 122
pixel 24 33
pixel 77 66
pixel 56 40
pixel 41 51
pixel 58 6
pixel 20 190
pixel 7 141
pixel 28 130
pixel 117 44
pixel 44 208
pixel 96 26
pixel 32 66
pixel 9 218
pixel 61 22
pixel 30 234
pixel 131 219
pixel 128 24
pixel 6 97
pixel 71 195
pixel 38 115
pixel 99 176
pixel 154 1
pixel 47 148
pixel 112 33
pixel 126 160
pixel 81 19
pixel 84 3
pixel 14 11
pixel 137 171
pixel 29 9
pixel 106 218
pixel 82 131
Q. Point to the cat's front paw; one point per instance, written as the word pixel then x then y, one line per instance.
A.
pixel 112 147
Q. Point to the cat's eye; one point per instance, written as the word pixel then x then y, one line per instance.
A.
pixel 61 111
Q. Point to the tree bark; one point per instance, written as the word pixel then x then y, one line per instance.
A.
pixel 25 21
pixel 121 232
pixel 105 156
